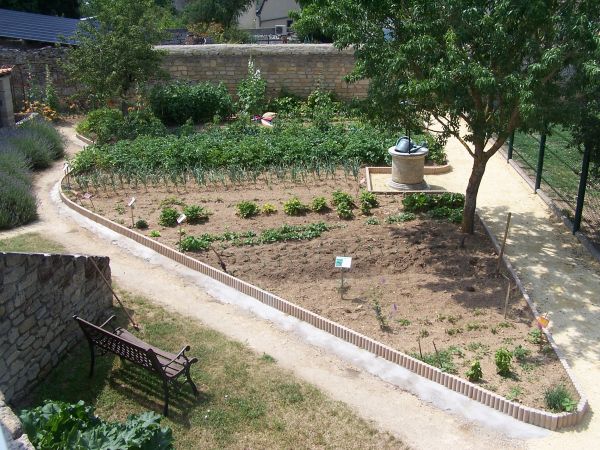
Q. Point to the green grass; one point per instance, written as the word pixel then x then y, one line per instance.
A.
pixel 246 400
pixel 30 242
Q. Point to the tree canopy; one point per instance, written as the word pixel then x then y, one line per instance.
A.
pixel 115 51
pixel 225 12
pixel 479 69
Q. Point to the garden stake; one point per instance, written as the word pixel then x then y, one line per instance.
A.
pixel 506 300
pixel 221 262
pixel 437 354
pixel 135 325
pixel 420 351
pixel 342 286
pixel 503 243
pixel 132 220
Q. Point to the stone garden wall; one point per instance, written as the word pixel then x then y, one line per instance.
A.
pixel 39 294
pixel 297 68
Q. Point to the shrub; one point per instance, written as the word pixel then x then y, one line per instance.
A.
pixel 443 359
pixel 269 208
pixel 418 202
pixel 168 217
pixel 154 233
pixel 56 145
pixel 319 204
pixel 251 91
pixel 521 353
pixel 35 147
pixel 13 163
pixel 247 209
pixel 402 217
pixel 194 244
pixel 108 125
pixel 559 399
pixel 474 373
pixel 341 197
pixel 367 200
pixel 294 207
pixel 141 224
pixel 436 153
pixel 536 336
pixel 75 426
pixel 177 102
pixel 18 205
pixel 503 359
pixel 196 214
pixel 344 211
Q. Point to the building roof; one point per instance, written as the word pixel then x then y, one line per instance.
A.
pixel 36 27
pixel 6 71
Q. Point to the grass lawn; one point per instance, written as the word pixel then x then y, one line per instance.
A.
pixel 246 400
pixel 30 242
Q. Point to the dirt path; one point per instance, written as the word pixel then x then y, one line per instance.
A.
pixel 416 422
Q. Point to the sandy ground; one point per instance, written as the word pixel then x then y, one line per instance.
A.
pixel 560 276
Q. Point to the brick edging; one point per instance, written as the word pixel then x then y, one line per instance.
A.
pixel 552 421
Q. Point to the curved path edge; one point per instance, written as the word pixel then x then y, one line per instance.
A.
pixel 544 419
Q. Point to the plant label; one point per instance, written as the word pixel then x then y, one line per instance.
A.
pixel 181 219
pixel 87 195
pixel 131 202
pixel 67 168
pixel 343 262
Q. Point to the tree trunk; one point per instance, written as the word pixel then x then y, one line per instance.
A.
pixel 468 222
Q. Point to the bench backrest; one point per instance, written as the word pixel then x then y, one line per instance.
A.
pixel 119 346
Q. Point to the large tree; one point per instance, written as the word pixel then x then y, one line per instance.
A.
pixel 480 69
pixel 225 12
pixel 115 48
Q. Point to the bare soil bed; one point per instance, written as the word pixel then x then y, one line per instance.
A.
pixel 429 288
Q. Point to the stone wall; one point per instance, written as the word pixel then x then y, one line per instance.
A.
pixel 297 68
pixel 39 294
pixel 30 71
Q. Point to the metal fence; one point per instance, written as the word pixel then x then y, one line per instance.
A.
pixel 557 167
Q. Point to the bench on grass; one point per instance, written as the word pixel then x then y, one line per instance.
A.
pixel 167 366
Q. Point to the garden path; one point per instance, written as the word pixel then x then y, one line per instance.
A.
pixel 558 273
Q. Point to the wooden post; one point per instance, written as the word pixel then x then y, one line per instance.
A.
pixel 503 243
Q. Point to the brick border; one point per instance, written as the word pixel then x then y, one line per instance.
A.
pixel 552 421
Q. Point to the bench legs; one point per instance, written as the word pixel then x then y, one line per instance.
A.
pixel 92 358
pixel 189 380
pixel 166 389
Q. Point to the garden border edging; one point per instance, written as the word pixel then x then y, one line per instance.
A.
pixel 552 421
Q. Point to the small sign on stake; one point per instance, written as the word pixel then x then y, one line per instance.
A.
pixel 131 205
pixel 131 202
pixel 181 219
pixel 342 262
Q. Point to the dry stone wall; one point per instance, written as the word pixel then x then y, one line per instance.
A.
pixel 297 68
pixel 39 294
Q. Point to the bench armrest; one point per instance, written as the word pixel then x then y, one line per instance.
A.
pixel 107 321
pixel 181 354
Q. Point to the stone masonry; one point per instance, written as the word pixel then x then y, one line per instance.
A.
pixel 39 294
pixel 297 68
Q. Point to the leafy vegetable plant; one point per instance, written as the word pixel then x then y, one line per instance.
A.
pixel 503 360
pixel 168 217
pixel 246 209
pixel 294 207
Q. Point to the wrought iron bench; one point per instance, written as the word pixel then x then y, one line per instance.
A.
pixel 121 342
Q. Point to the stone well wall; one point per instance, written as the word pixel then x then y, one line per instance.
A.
pixel 39 294
pixel 297 68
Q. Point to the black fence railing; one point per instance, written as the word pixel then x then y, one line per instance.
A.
pixel 555 163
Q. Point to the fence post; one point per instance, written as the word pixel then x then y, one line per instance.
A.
pixel 540 162
pixel 585 167
pixel 511 143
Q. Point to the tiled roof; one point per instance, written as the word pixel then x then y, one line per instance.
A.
pixel 36 27
pixel 6 71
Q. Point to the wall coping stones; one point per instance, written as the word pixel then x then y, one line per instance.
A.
pixel 253 49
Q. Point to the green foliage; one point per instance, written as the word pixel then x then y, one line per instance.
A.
pixel 320 108
pixel 251 91
pixel 344 211
pixel 294 207
pixel 269 208
pixel 463 63
pixel 536 336
pixel 245 147
pixel 445 206
pixel 380 315
pixel 246 209
pixel 115 50
pixel 521 353
pixel 51 137
pixel 194 244
pixel 168 217
pixel 559 399
pixel 225 12
pixel 141 224
pixel 196 214
pixel 154 234
pixel 107 125
pixel 453 215
pixel 474 373
pixel 341 197
pixel 402 217
pixel 35 147
pixel 503 360
pixel 367 200
pixel 18 205
pixel 176 102
pixel 442 359
pixel 57 425
pixel 372 221
pixel 319 204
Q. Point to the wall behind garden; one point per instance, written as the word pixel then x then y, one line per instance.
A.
pixel 297 68
pixel 39 294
